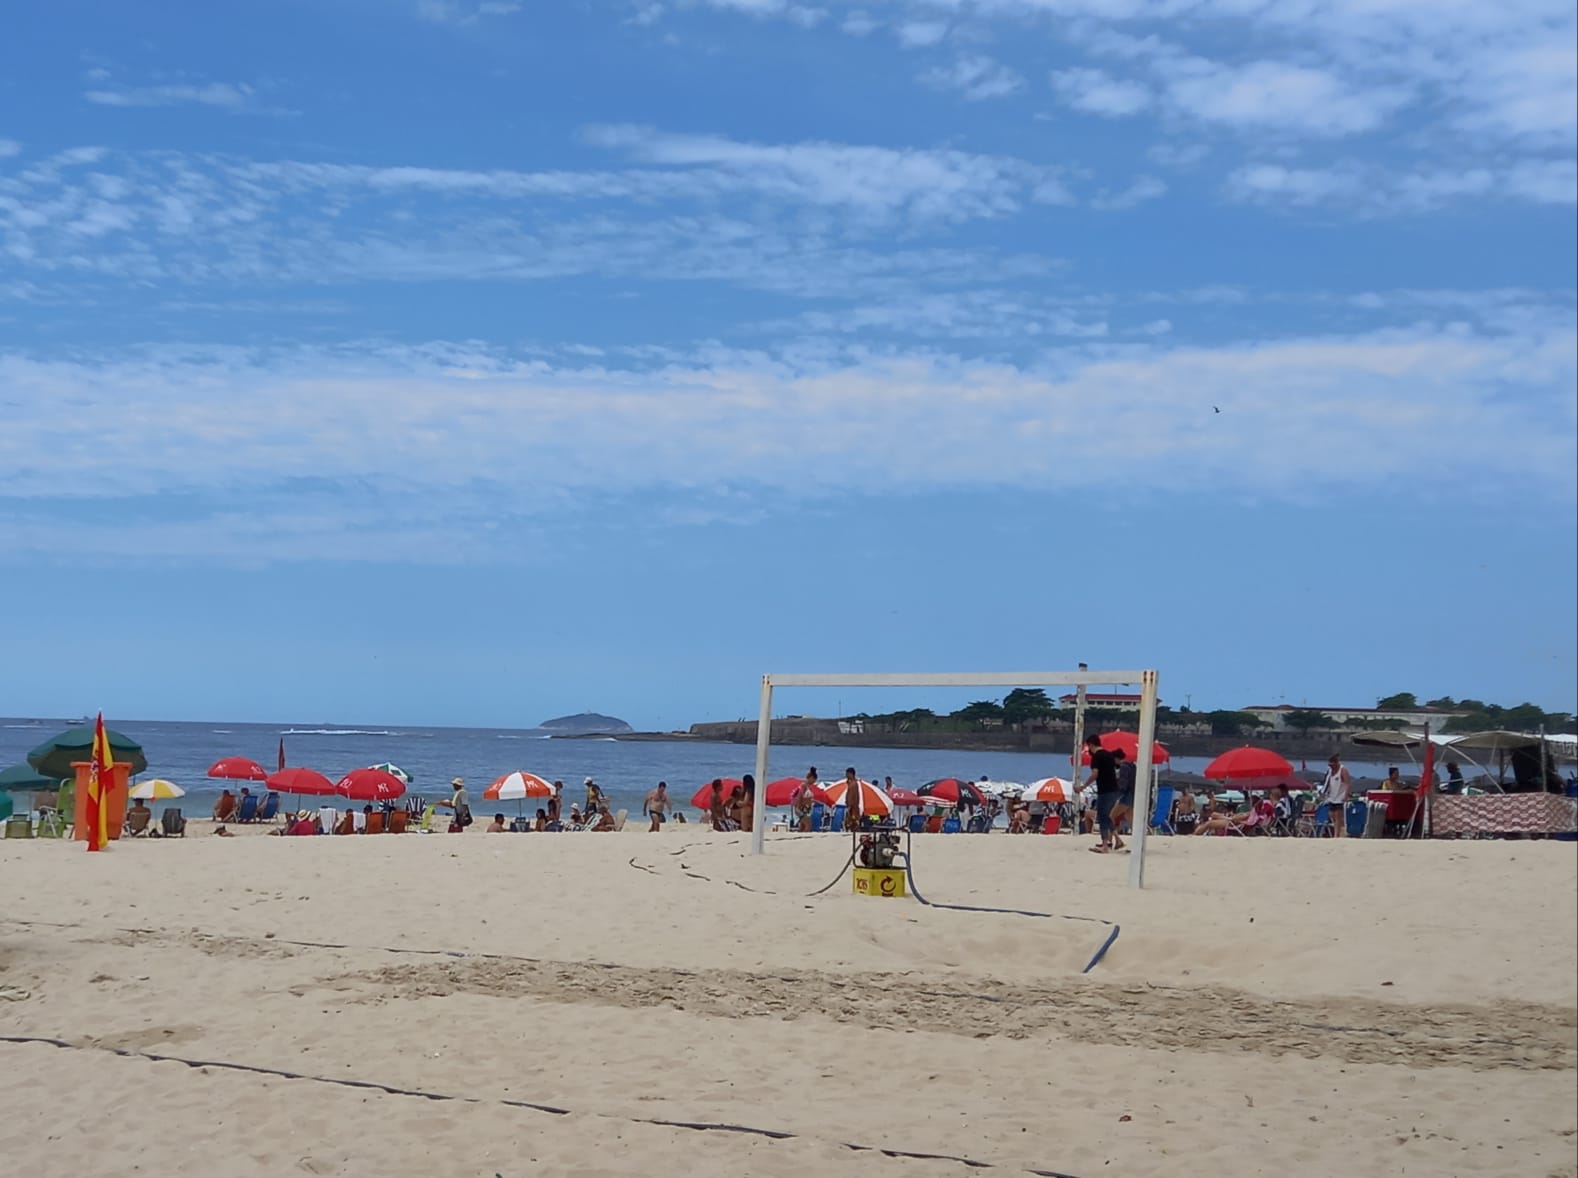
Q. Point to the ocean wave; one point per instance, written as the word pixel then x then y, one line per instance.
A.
pixel 338 732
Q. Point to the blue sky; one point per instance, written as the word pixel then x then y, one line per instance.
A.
pixel 445 361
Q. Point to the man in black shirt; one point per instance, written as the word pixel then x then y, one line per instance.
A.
pixel 1104 772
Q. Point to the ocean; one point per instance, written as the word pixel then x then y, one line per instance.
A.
pixel 626 770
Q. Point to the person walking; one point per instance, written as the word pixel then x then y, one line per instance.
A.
pixel 1124 807
pixel 656 806
pixel 1334 797
pixel 459 804
pixel 1104 772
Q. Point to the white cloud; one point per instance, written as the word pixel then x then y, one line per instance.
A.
pixel 1141 190
pixel 442 426
pixel 860 24
pixel 921 34
pixel 463 12
pixel 229 96
pixel 1098 92
pixel 9 147
pixel 647 14
pixel 1377 190
pixel 1269 94
pixel 976 77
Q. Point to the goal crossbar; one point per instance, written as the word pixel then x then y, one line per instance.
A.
pixel 1081 679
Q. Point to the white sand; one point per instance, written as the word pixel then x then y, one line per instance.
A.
pixel 1270 1007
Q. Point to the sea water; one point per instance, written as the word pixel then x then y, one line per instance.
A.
pixel 626 770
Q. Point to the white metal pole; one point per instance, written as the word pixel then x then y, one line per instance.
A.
pixel 1142 779
pixel 764 735
pixel 1075 771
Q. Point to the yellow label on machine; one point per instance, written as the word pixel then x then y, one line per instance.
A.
pixel 879 881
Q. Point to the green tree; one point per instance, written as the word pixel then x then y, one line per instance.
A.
pixel 1446 703
pixel 975 714
pixel 1403 701
pixel 1227 723
pixel 1307 721
pixel 1023 704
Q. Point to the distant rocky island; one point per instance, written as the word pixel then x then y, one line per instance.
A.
pixel 585 724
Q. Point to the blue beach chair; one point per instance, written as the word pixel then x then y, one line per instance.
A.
pixel 951 825
pixel 818 816
pixel 269 808
pixel 248 810
pixel 837 822
pixel 1162 811
pixel 917 823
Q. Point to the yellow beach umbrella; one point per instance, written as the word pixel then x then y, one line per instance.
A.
pixel 157 788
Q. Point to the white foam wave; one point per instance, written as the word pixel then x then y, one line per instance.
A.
pixel 338 732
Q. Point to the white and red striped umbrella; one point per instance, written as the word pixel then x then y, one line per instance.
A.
pixel 873 800
pixel 1048 789
pixel 519 784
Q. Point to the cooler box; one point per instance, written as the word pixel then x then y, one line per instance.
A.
pixel 1050 824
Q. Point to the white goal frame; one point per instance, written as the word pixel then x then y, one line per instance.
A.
pixel 1080 679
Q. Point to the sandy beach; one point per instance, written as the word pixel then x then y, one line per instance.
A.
pixel 580 1004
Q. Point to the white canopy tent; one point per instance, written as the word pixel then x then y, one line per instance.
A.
pixel 1079 679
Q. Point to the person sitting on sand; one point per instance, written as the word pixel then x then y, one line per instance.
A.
pixel 1260 814
pixel 575 821
pixel 496 826
pixel 222 832
pixel 225 807
pixel 306 823
pixel 540 822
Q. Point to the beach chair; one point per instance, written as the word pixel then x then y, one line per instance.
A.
pixel 375 822
pixel 425 823
pixel 917 823
pixel 950 824
pixel 1162 811
pixel 137 823
pixel 836 822
pixel 818 815
pixel 269 808
pixel 398 820
pixel 172 824
pixel 934 824
pixel 619 819
pixel 248 811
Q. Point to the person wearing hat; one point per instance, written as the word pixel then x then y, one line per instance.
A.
pixel 459 804
pixel 594 796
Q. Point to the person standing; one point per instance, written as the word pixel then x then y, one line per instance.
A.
pixel 1124 807
pixel 851 800
pixel 459 804
pixel 804 800
pixel 556 804
pixel 656 806
pixel 1334 797
pixel 1104 772
pixel 718 806
pixel 594 796
pixel 745 812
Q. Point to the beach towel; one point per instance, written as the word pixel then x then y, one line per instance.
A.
pixel 358 822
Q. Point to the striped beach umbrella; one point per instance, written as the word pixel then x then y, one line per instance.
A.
pixel 393 771
pixel 873 800
pixel 157 788
pixel 1048 789
pixel 518 784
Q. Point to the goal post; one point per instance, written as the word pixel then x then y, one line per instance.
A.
pixel 1080 680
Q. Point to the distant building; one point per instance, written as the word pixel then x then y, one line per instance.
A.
pixel 1095 699
pixel 1411 717
pixel 852 727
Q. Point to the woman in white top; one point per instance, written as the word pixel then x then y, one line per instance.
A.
pixel 1334 794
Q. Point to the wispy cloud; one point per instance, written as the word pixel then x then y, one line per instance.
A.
pixel 9 147
pixel 464 12
pixel 1143 189
pixel 920 34
pixel 229 96
pixel 1382 191
pixel 976 76
pixel 1100 93
pixel 443 424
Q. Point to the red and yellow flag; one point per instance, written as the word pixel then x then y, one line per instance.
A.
pixel 100 767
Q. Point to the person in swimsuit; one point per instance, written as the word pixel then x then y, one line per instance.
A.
pixel 745 808
pixel 804 800
pixel 851 800
pixel 718 806
pixel 656 806
pixel 1334 797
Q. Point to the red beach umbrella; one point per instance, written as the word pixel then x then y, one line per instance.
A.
pixel 905 797
pixel 782 791
pixel 1129 742
pixel 369 785
pixel 300 781
pixel 949 789
pixel 238 769
pixel 702 798
pixel 1248 762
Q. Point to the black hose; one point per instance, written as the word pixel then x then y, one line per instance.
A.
pixel 909 873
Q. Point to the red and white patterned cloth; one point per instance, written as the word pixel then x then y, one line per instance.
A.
pixel 1532 813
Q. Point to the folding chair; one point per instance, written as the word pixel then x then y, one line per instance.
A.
pixel 1162 811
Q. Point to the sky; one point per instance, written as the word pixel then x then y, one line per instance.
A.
pixel 472 362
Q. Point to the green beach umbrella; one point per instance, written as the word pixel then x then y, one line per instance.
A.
pixel 53 758
pixel 28 778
